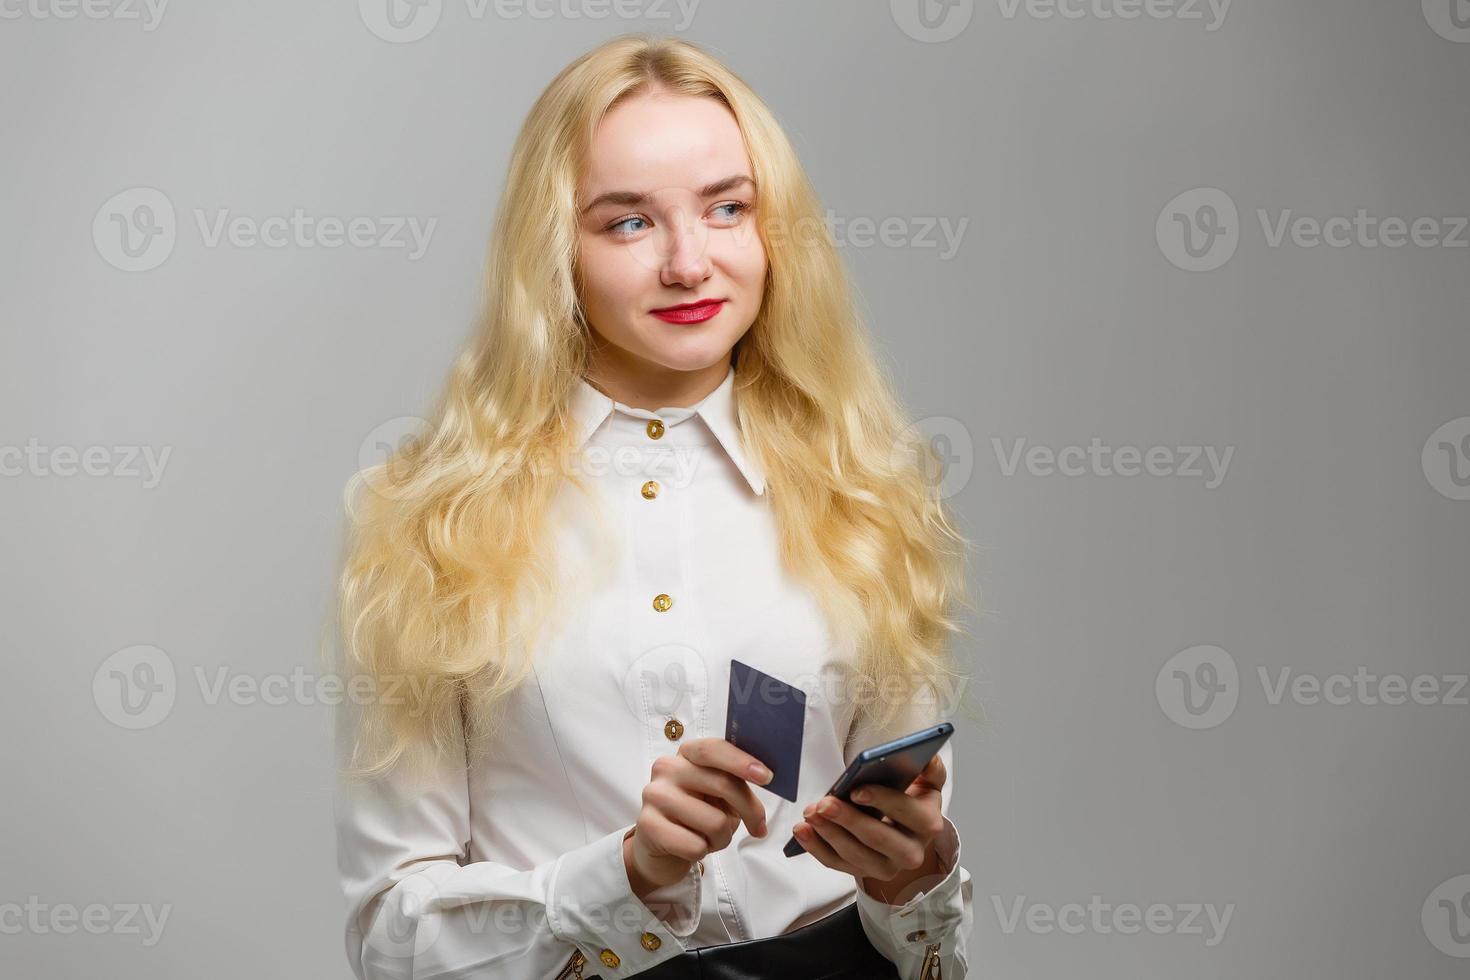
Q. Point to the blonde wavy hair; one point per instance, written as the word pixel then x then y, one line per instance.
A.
pixel 444 585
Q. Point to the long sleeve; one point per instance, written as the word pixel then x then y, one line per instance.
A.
pixel 943 914
pixel 417 909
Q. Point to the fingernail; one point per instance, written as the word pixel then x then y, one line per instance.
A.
pixel 826 807
pixel 760 773
pixel 862 796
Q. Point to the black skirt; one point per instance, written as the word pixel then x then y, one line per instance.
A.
pixel 834 947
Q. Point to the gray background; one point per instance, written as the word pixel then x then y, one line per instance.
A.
pixel 1328 547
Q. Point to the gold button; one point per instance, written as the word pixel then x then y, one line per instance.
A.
pixel 650 489
pixel 919 935
pixel 651 942
pixel 662 602
pixel 609 958
pixel 655 429
pixel 673 729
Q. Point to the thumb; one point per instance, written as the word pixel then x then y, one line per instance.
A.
pixel 931 777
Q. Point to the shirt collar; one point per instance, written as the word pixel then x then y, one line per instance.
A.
pixel 591 407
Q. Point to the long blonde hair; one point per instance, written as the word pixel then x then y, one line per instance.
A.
pixel 444 585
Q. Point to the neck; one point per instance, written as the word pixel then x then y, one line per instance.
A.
pixel 643 384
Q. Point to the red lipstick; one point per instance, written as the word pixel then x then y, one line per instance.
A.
pixel 690 312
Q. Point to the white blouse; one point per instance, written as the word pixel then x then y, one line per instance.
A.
pixel 508 873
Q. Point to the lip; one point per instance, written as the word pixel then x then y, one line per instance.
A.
pixel 696 312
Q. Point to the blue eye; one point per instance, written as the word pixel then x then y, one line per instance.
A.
pixel 617 225
pixel 738 206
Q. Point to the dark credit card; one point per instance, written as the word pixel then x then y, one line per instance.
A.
pixel 766 717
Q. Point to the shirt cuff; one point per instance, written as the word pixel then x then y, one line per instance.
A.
pixel 678 904
pixel 932 916
pixel 593 906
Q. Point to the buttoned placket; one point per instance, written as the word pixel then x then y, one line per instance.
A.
pixel 658 522
pixel 666 623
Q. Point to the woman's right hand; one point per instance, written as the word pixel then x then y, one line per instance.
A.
pixel 691 807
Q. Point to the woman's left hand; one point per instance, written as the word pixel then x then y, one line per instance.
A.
pixel 897 848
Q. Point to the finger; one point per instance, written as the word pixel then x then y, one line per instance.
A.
pixel 703 815
pixel 933 775
pixel 735 793
pixel 902 807
pixel 717 753
pixel 868 862
pixel 895 844
pixel 669 838
pixel 818 848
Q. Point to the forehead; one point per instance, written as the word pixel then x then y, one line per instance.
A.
pixel 656 141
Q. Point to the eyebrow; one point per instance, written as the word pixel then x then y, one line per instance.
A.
pixel 632 199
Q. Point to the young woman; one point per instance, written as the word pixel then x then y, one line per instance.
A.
pixel 667 448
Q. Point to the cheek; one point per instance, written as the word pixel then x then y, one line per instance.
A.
pixel 610 279
pixel 745 263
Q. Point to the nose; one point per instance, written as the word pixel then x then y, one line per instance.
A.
pixel 686 250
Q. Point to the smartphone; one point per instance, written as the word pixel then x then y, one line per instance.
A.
pixel 893 764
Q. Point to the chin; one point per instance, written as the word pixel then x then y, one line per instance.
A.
pixel 691 360
pixel 693 351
